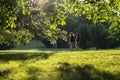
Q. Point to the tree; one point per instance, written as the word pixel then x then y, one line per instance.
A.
pixel 95 10
pixel 38 22
pixel 15 37
pixel 99 36
pixel 8 11
pixel 28 18
pixel 9 21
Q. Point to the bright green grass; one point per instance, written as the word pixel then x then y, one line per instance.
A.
pixel 60 65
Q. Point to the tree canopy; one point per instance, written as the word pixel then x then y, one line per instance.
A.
pixel 33 18
pixel 95 10
pixel 29 17
pixel 8 13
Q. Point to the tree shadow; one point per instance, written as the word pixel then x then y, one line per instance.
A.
pixel 33 73
pixel 24 56
pixel 5 72
pixel 84 72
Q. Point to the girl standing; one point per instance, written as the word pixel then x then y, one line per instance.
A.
pixel 71 40
pixel 77 41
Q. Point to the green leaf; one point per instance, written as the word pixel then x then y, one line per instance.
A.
pixel 53 26
pixel 63 22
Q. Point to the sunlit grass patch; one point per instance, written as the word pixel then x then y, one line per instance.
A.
pixel 61 65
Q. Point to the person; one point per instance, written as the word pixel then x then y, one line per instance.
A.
pixel 77 41
pixel 71 40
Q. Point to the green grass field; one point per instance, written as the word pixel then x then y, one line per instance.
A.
pixel 60 65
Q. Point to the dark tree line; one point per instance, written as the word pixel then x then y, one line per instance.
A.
pixel 92 35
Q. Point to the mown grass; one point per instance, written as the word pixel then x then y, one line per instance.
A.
pixel 60 65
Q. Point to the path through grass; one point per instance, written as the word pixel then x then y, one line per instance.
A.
pixel 60 65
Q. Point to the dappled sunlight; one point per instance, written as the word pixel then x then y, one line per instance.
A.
pixel 60 65
pixel 33 73
pixel 41 2
pixel 84 72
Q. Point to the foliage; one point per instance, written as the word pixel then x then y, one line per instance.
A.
pixel 30 16
pixel 6 47
pixel 41 19
pixel 82 29
pixel 95 10
pixel 115 31
pixel 53 35
pixel 99 36
pixel 8 11
pixel 89 38
pixel 15 37
pixel 39 24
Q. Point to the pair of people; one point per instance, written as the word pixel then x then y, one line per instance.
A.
pixel 74 41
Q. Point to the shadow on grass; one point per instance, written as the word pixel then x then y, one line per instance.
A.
pixel 84 72
pixel 5 73
pixel 24 56
pixel 33 73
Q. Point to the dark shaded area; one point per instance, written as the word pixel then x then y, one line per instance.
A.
pixel 33 73
pixel 24 56
pixel 62 44
pixel 6 47
pixel 5 73
pixel 84 72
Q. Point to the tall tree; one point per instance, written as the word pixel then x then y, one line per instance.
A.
pixel 95 10
pixel 28 18
pixel 8 19
pixel 38 22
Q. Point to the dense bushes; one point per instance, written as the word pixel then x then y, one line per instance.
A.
pixel 92 35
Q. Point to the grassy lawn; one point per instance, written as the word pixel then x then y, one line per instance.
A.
pixel 60 65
